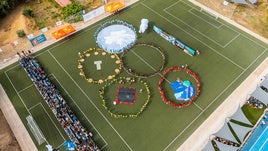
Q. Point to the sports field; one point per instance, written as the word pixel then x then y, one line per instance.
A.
pixel 228 56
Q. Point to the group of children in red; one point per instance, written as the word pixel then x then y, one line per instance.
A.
pixel 190 72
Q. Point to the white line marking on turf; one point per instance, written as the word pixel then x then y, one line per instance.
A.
pixel 49 117
pixel 52 121
pixel 217 27
pixel 194 37
pixel 198 106
pixel 211 39
pixel 80 110
pixel 25 88
pixel 231 40
pixel 212 102
pixel 21 99
pixel 34 106
pixel 20 91
pixel 172 5
pixel 91 101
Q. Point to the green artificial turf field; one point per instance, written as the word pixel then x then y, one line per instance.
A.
pixel 228 56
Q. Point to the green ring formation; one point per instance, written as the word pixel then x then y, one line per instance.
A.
pixel 122 115
pixel 141 75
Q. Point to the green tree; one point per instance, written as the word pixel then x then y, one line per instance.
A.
pixel 6 5
pixel 28 12
pixel 20 33
pixel 71 9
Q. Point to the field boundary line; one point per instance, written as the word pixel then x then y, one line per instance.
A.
pixel 261 38
pixel 20 91
pixel 209 38
pixel 25 106
pixel 231 40
pixel 90 101
pixel 30 108
pixel 172 5
pixel 81 110
pixel 18 128
pixel 217 43
pixel 52 121
pixel 220 54
pixel 217 27
pixel 198 106
pixel 48 117
pixel 27 87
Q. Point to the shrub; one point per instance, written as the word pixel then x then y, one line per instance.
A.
pixel 41 23
pixel 20 33
pixel 71 9
pixel 28 12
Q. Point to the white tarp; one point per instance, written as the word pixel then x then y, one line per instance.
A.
pixel 239 1
pixel 225 133
pixel 261 95
pixel 224 147
pixel 265 82
pixel 253 1
pixel 88 16
pixel 240 131
pixel 240 116
pixel 208 146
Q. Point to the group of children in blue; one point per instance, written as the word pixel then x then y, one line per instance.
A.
pixel 66 117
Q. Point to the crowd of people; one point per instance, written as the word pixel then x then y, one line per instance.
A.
pixel 225 141
pixel 254 103
pixel 66 117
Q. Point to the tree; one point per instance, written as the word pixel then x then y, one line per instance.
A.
pixel 28 12
pixel 20 33
pixel 71 9
pixel 6 5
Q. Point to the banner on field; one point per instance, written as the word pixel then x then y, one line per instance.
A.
pixel 94 13
pixel 38 39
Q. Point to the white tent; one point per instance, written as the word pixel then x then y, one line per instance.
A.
pixel 253 1
pixel 261 95
pixel 225 133
pixel 240 131
pixel 224 147
pixel 240 116
pixel 240 1
pixel 265 82
pixel 208 146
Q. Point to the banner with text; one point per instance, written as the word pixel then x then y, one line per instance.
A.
pixel 88 16
pixel 37 40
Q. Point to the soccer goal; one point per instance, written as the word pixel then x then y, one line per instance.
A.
pixel 210 12
pixel 35 130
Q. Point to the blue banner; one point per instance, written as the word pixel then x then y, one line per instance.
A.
pixel 37 40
